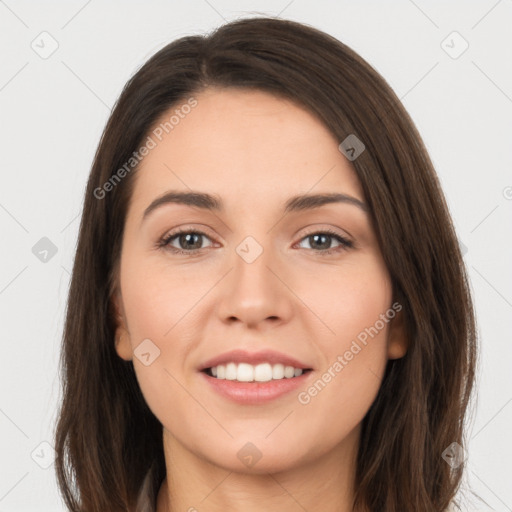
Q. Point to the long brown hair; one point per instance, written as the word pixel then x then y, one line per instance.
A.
pixel 107 438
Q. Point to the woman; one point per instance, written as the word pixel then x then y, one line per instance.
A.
pixel 268 307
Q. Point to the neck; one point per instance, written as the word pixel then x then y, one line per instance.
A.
pixel 192 483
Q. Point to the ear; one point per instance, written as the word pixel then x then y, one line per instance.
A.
pixel 397 338
pixel 122 336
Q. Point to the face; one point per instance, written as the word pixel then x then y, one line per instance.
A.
pixel 307 283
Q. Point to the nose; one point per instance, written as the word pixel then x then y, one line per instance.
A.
pixel 255 292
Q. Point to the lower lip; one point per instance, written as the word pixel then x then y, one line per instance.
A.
pixel 252 393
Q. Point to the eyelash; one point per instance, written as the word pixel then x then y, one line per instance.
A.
pixel 164 242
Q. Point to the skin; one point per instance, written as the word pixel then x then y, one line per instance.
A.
pixel 292 298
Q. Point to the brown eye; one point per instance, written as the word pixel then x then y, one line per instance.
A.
pixel 321 241
pixel 188 242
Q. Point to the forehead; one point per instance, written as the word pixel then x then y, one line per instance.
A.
pixel 236 142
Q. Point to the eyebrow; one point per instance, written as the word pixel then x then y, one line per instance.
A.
pixel 214 203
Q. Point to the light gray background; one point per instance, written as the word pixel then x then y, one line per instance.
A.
pixel 52 114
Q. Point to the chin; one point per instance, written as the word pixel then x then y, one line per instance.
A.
pixel 254 457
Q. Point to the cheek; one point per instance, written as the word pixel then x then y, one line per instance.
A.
pixel 156 310
pixel 352 306
pixel 349 303
pixel 336 401
pixel 156 299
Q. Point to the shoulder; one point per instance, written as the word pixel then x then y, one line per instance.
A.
pixel 146 501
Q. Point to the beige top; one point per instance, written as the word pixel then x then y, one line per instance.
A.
pixel 147 499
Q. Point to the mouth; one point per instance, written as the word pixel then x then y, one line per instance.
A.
pixel 252 378
pixel 267 382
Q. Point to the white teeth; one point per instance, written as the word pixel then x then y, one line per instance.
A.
pixel 244 372
pixel 263 372
pixel 231 371
pixel 289 372
pixel 278 371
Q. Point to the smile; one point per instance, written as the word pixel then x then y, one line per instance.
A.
pixel 255 392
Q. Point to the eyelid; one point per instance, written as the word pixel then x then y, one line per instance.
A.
pixel 311 230
pixel 188 228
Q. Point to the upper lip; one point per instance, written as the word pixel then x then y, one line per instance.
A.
pixel 243 356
